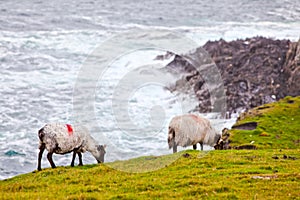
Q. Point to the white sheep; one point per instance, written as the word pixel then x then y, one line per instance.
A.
pixel 190 129
pixel 63 138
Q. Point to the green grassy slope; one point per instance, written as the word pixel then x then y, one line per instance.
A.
pixel 278 125
pixel 228 174
pixel 271 172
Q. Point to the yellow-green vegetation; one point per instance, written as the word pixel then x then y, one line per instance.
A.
pixel 231 174
pixel 278 126
pixel 271 172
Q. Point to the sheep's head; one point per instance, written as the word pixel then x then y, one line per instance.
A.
pixel 219 144
pixel 223 140
pixel 100 153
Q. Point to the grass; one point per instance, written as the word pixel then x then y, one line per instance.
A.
pixel 278 126
pixel 232 174
pixel 271 172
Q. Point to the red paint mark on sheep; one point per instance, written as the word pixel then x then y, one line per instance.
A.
pixel 70 129
pixel 196 118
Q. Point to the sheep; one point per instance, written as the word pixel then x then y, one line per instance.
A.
pixel 190 129
pixel 63 138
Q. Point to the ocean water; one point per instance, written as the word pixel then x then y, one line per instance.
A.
pixel 44 47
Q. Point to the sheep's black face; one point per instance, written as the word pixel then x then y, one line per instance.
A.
pixel 219 144
pixel 101 152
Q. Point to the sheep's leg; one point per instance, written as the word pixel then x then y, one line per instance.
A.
pixel 80 158
pixel 42 148
pixel 201 144
pixel 174 148
pixel 73 158
pixel 195 146
pixel 49 156
pixel 174 144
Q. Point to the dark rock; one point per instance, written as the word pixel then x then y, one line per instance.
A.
pixel 254 71
pixel 186 155
pixel 291 70
pixel 285 157
pixel 246 126
pixel 164 57
pixel 262 107
pixel 289 157
pixel 292 158
pixel 246 146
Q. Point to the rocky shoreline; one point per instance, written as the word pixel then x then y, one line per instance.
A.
pixel 254 71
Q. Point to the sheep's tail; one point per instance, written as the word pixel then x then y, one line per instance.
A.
pixel 41 134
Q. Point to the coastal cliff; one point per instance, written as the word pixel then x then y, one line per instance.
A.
pixel 254 71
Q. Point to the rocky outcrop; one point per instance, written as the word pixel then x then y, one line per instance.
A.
pixel 254 71
pixel 291 70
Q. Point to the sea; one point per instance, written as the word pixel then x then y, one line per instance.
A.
pixel 95 63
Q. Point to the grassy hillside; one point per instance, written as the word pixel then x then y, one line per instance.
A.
pixel 278 126
pixel 271 172
pixel 228 174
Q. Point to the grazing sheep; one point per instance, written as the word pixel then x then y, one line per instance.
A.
pixel 189 129
pixel 63 138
